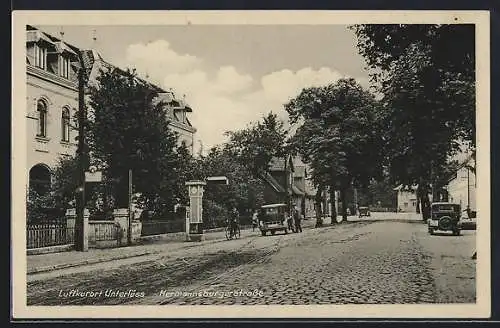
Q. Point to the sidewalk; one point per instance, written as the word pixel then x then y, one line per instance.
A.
pixel 149 245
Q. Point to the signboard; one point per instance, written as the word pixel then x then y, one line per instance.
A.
pixel 93 175
pixel 218 180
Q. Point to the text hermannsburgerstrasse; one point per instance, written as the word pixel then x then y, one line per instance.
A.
pixel 212 293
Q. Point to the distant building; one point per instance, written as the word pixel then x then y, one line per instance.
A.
pixel 289 177
pixel 52 103
pixel 177 109
pixel 462 185
pixel 407 198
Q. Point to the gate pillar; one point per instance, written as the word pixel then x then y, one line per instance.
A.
pixel 194 221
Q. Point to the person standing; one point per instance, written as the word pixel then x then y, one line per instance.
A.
pixel 255 219
pixel 289 221
pixel 297 219
pixel 234 223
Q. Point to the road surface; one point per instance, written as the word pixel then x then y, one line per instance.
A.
pixel 384 259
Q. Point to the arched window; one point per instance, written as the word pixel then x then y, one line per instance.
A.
pixel 65 126
pixel 40 179
pixel 42 118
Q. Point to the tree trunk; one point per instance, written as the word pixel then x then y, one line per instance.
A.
pixel 344 205
pixel 333 202
pixel 418 204
pixel 317 205
pixel 425 203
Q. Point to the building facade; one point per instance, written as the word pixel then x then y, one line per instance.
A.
pixel 52 103
pixel 406 199
pixel 462 186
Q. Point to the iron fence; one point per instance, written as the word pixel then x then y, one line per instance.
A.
pixel 45 234
pixel 158 227
pixel 104 231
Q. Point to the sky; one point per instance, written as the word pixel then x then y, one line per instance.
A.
pixel 230 75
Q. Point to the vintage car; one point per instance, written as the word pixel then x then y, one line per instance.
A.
pixel 363 211
pixel 444 217
pixel 273 218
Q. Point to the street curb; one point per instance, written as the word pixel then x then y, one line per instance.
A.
pixel 86 262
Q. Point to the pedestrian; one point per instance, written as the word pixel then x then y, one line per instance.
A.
pixel 235 220
pixel 289 222
pixel 297 219
pixel 255 219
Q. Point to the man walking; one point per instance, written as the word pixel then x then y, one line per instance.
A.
pixel 297 218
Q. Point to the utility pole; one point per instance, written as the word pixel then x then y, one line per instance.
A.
pixel 129 233
pixel 80 242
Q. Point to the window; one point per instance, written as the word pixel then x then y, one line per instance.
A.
pixel 40 56
pixel 42 118
pixel 40 179
pixel 64 66
pixel 65 126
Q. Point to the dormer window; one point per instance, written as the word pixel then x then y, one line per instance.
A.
pixel 64 66
pixel 40 56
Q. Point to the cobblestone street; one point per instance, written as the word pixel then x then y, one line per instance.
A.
pixel 380 260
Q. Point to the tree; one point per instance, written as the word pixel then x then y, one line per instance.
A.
pixel 339 136
pixel 257 144
pixel 426 74
pixel 126 130
pixel 245 192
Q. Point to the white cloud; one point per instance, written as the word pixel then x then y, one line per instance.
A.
pixel 226 99
pixel 157 58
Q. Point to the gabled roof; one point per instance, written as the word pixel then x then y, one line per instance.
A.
pixel 278 164
pixel 273 183
pixel 405 188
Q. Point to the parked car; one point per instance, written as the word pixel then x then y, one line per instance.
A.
pixel 468 220
pixel 444 217
pixel 364 211
pixel 273 218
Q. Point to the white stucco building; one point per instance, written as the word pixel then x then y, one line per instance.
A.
pixel 52 103
pixel 407 199
pixel 462 185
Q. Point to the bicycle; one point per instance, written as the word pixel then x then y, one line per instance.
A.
pixel 229 234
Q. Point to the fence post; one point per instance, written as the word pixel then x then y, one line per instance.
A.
pixel 121 218
pixel 85 242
